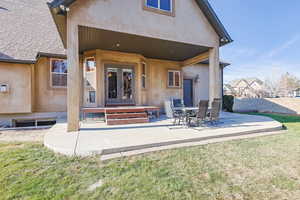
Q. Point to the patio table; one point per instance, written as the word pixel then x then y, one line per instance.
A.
pixel 187 110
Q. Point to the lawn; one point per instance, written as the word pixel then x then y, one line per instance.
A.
pixel 259 168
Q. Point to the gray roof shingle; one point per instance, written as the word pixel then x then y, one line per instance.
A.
pixel 27 28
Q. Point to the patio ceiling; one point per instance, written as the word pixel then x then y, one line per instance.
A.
pixel 92 38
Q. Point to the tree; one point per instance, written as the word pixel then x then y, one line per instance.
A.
pixel 287 85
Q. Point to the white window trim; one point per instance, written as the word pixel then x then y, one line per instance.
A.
pixel 171 6
pixel 51 82
pixel 180 79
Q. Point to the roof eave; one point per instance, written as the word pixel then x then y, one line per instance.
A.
pixel 50 55
pixel 17 61
pixel 214 20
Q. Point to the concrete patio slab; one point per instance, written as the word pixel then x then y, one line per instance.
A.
pixel 100 139
pixel 189 144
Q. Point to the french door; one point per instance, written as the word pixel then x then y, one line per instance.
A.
pixel 119 85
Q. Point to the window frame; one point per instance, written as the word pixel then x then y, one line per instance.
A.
pixel 95 97
pixel 85 64
pixel 159 10
pixel 51 73
pixel 174 79
pixel 88 72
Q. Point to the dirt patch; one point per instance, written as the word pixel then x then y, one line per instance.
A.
pixel 13 146
pixel 23 136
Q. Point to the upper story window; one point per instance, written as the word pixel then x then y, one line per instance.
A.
pixel 160 6
pixel 165 5
pixel 58 73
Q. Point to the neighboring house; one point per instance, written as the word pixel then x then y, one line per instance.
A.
pixel 297 92
pixel 141 52
pixel 228 90
pixel 249 87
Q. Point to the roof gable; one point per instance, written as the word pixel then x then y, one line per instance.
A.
pixel 204 5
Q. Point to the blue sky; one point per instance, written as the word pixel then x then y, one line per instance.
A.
pixel 266 37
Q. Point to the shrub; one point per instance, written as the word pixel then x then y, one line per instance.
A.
pixel 228 101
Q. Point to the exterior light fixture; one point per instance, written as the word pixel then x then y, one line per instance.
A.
pixel 224 40
pixel 4 88
pixel 63 8
pixel 197 79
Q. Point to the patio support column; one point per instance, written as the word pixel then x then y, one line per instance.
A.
pixel 73 99
pixel 214 74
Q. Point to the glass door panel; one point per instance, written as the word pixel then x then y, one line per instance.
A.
pixel 119 85
pixel 112 76
pixel 127 75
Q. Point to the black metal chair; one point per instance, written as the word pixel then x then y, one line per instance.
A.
pixel 201 115
pixel 215 112
pixel 178 114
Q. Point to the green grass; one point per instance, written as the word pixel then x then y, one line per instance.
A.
pixel 259 168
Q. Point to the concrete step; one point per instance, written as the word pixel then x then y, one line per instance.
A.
pixel 127 121
pixel 124 110
pixel 126 115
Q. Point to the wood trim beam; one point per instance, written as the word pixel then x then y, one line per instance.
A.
pixel 196 59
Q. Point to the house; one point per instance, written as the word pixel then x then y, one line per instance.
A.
pixel 228 90
pixel 297 92
pixel 133 53
pixel 247 87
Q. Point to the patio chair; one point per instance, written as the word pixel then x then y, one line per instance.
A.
pixel 201 114
pixel 215 112
pixel 178 114
pixel 177 103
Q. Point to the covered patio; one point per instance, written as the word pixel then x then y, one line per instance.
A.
pixel 148 55
pixel 144 61
pixel 116 141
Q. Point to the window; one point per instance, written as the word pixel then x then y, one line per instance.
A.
pixel 90 64
pixel 59 73
pixel 92 96
pixel 160 6
pixel 174 78
pixel 165 5
pixel 144 75
pixel 90 72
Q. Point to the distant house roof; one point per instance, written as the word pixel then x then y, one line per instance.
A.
pixel 248 81
pixel 204 5
pixel 27 28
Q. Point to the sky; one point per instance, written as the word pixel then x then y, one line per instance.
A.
pixel 266 36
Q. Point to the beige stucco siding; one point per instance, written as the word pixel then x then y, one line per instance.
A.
pixel 47 99
pixel 189 24
pixel 156 91
pixel 158 88
pixel 201 86
pixel 18 77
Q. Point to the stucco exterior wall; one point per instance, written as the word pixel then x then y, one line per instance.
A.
pixel 156 91
pixel 47 99
pixel 18 77
pixel 130 17
pixel 201 86
pixel 158 88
